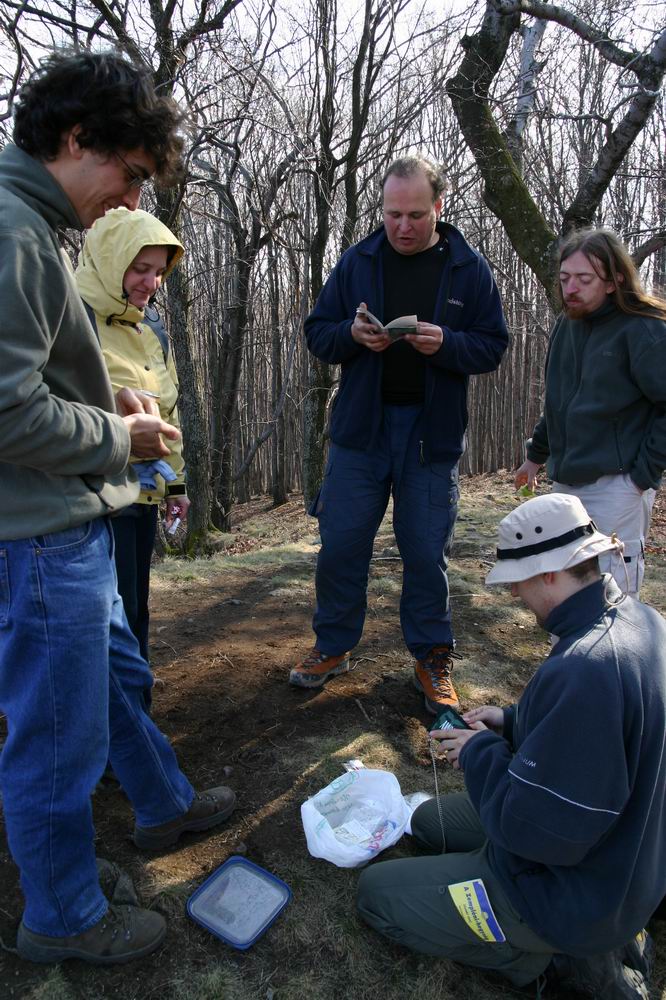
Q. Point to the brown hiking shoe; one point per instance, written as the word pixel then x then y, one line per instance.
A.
pixel 208 809
pixel 639 954
pixel 316 668
pixel 432 676
pixel 123 934
pixel 598 976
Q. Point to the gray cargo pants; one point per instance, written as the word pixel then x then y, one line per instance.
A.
pixel 408 900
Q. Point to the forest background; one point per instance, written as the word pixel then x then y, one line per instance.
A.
pixel 545 116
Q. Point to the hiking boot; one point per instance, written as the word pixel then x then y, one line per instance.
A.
pixel 639 954
pixel 432 676
pixel 317 667
pixel 598 976
pixel 210 808
pixel 123 934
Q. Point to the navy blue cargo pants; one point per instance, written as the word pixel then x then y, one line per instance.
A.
pixel 350 507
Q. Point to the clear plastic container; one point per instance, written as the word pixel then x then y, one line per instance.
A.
pixel 238 902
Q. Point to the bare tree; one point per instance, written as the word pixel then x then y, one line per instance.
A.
pixel 497 153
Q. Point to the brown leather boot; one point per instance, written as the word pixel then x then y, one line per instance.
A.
pixel 210 808
pixel 123 934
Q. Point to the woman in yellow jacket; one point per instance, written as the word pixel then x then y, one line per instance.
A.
pixel 125 258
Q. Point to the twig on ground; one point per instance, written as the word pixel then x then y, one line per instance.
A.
pixel 165 643
pixel 367 717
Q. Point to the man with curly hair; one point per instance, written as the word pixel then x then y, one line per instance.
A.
pixel 89 132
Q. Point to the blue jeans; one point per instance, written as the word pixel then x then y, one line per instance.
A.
pixel 71 683
pixel 350 507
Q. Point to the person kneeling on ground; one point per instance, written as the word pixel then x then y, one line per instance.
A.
pixel 561 824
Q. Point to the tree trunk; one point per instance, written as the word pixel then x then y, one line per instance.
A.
pixel 191 398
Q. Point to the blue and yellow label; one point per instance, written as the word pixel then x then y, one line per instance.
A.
pixel 472 903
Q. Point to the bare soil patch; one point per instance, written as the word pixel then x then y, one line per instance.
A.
pixel 225 633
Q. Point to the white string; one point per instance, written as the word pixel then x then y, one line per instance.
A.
pixel 617 551
pixel 432 746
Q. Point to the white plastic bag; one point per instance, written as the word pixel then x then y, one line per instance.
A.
pixel 355 817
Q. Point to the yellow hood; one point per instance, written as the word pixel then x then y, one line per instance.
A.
pixel 110 247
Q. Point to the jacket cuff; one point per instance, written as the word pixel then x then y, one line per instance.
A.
pixel 534 454
pixel 176 490
pixel 509 714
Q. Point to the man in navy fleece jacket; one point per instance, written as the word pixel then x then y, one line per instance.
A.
pixel 564 812
pixel 398 421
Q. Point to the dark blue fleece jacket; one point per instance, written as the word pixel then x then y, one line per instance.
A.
pixel 574 805
pixel 468 309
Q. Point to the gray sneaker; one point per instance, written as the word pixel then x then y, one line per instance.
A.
pixel 123 934
pixel 210 808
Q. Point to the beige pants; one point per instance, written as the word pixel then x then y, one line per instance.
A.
pixel 615 504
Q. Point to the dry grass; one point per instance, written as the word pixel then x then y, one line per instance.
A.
pixel 318 949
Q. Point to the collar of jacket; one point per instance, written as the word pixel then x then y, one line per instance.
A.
pixel 583 608
pixel 601 315
pixel 30 181
pixel 459 249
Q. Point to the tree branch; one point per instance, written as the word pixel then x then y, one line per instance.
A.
pixel 627 58
pixel 505 191
pixel 118 28
pixel 645 250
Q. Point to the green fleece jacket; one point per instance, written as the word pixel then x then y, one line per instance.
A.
pixel 63 451
pixel 605 405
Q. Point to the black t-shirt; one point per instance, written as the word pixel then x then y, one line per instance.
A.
pixel 411 283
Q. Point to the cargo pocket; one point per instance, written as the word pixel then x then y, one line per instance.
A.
pixel 314 508
pixel 444 491
pixel 627 569
pixel 634 563
pixel 317 505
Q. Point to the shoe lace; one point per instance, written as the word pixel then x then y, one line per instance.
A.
pixel 117 920
pixel 313 658
pixel 540 984
pixel 202 797
pixel 439 663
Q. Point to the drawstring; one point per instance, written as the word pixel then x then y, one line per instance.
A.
pixel 618 552
pixel 116 316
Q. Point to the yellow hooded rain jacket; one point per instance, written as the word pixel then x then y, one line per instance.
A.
pixel 132 351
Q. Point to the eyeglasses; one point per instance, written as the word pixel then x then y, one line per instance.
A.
pixel 137 181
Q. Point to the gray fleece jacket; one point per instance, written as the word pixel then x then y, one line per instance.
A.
pixel 63 451
pixel 605 406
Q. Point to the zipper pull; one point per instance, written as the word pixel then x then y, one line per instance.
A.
pixel 421 457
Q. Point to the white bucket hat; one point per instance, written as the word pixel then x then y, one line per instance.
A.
pixel 544 535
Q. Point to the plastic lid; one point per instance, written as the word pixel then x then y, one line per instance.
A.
pixel 238 902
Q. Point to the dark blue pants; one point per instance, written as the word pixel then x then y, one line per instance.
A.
pixel 350 507
pixel 134 534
